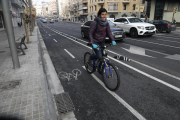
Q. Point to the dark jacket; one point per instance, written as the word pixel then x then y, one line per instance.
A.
pixel 99 34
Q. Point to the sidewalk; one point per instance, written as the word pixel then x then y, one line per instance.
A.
pixel 22 90
pixel 28 92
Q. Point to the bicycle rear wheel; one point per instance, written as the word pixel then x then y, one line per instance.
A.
pixel 110 76
pixel 87 62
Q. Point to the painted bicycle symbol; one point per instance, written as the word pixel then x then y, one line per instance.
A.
pixel 70 76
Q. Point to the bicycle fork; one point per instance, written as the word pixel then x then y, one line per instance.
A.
pixel 105 65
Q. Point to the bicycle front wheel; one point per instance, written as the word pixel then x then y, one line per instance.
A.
pixel 87 62
pixel 110 76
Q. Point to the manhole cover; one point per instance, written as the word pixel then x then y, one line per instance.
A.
pixel 64 103
pixel 2 51
pixel 9 85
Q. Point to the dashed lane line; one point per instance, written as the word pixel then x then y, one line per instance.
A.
pixel 131 109
pixel 55 40
pixel 69 53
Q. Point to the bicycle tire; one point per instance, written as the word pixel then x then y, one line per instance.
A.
pixel 86 64
pixel 117 75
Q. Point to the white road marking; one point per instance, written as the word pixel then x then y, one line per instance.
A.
pixel 154 43
pixel 132 110
pixel 148 49
pixel 168 40
pixel 69 53
pixel 173 57
pixel 49 35
pixel 137 51
pixel 55 40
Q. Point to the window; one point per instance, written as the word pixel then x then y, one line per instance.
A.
pixel 111 24
pixel 92 8
pixel 101 6
pixel 134 20
pixel 124 20
pixel 151 22
pixel 124 7
pixel 118 20
pixel 112 6
pixel 156 22
pixel 87 23
pixel 95 7
pixel 134 6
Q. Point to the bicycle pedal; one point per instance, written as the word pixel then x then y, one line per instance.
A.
pixel 110 76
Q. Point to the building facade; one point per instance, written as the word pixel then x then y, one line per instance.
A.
pixel 78 10
pixel 115 8
pixel 163 10
pixel 53 8
pixel 39 12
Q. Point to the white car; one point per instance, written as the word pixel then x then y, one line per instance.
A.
pixel 135 26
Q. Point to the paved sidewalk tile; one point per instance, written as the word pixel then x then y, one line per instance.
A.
pixel 26 100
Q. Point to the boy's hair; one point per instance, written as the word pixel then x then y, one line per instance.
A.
pixel 101 10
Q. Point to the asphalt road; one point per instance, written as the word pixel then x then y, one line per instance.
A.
pixel 150 82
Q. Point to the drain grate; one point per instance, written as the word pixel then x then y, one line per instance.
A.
pixel 64 103
pixel 2 51
pixel 9 85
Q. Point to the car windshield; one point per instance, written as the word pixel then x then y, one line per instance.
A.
pixel 166 22
pixel 111 24
pixel 134 20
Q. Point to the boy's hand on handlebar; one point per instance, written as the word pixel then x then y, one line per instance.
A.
pixel 94 46
pixel 113 43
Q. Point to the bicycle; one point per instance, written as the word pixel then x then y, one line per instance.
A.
pixel 108 70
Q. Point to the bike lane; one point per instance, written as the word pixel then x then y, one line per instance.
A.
pixel 144 96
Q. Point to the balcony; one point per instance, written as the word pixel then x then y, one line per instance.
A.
pixel 101 1
pixel 126 1
pixel 85 1
pixel 16 3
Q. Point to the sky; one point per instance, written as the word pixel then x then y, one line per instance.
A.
pixel 39 1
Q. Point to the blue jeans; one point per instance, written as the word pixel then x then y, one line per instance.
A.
pixel 98 53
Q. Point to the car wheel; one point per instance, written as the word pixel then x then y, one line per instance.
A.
pixel 82 34
pixel 168 31
pixel 160 29
pixel 134 33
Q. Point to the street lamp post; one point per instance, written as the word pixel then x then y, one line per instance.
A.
pixel 10 33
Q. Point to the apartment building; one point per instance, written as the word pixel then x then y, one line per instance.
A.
pixel 16 8
pixel 38 10
pixel 53 8
pixel 115 8
pixel 45 7
pixel 64 13
pixel 78 10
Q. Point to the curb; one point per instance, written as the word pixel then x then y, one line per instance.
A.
pixel 53 82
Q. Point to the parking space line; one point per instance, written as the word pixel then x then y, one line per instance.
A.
pixel 126 105
pixel 69 53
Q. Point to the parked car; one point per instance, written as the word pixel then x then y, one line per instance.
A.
pixel 135 26
pixel 44 20
pixel 163 25
pixel 117 32
pixel 51 21
pixel 56 20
